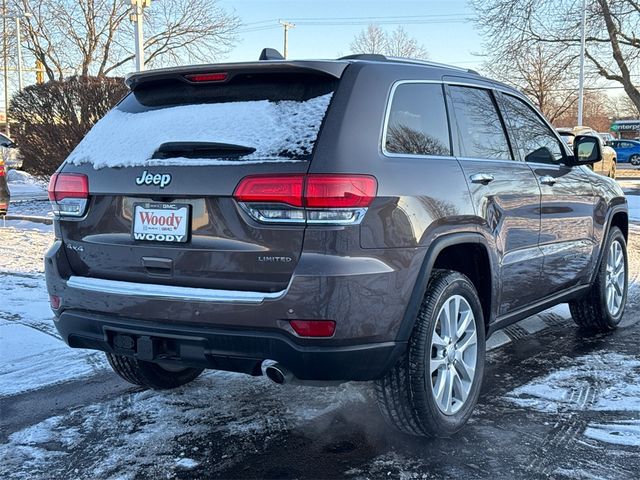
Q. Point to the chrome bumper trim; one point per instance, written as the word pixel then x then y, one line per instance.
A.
pixel 168 292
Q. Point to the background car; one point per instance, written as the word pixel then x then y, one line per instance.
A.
pixel 4 189
pixel 627 151
pixel 9 153
pixel 606 137
pixel 607 166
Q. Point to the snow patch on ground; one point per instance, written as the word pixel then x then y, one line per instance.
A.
pixel 599 382
pixel 123 139
pixel 602 381
pixel 619 433
pixel 32 354
pixel 32 359
pixel 23 249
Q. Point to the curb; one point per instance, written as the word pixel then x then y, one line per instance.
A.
pixel 30 218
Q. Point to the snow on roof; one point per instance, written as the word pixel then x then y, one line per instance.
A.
pixel 279 131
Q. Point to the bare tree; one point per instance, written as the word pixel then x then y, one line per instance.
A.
pixel 95 37
pixel 373 39
pixel 398 43
pixel 545 73
pixel 597 112
pixel 512 27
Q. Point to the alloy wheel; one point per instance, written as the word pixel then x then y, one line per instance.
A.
pixel 615 278
pixel 454 353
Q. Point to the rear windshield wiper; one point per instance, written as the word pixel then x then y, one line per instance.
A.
pixel 201 150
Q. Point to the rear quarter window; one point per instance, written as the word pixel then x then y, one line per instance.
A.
pixel 417 121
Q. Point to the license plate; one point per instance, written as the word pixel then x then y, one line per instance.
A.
pixel 161 222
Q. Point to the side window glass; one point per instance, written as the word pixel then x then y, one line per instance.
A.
pixel 535 140
pixel 479 129
pixel 417 123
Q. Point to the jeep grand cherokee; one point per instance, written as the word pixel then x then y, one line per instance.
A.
pixel 365 218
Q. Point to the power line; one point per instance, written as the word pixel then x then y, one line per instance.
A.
pixel 349 21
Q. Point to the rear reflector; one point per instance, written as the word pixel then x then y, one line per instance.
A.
pixel 314 328
pixel 206 77
pixel 68 193
pixel 54 300
pixel 1 169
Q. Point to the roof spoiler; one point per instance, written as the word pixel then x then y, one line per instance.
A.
pixel 331 68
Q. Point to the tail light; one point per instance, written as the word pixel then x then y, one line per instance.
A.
pixel 2 173
pixel 313 199
pixel 68 194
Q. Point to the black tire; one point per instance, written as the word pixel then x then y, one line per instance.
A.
pixel 150 375
pixel 403 396
pixel 612 173
pixel 635 160
pixel 591 312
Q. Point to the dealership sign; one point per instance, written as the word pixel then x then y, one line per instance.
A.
pixel 626 126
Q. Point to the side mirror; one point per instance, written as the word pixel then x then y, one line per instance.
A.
pixel 586 150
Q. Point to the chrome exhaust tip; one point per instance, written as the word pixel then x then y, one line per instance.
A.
pixel 276 372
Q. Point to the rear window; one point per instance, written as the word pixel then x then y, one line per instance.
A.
pixel 252 118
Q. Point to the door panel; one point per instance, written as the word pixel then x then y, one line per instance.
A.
pixel 566 231
pixel 505 193
pixel 567 202
pixel 510 205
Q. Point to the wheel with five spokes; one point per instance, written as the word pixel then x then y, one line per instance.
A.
pixel 434 387
pixel 601 309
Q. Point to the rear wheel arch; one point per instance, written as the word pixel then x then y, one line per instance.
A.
pixel 452 252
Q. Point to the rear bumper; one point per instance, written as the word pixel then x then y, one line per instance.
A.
pixel 236 331
pixel 225 349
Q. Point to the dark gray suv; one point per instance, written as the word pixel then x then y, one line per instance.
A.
pixel 365 218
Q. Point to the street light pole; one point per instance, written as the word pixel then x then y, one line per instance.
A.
pixel 137 17
pixel 582 54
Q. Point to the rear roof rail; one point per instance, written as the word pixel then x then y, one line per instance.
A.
pixel 376 57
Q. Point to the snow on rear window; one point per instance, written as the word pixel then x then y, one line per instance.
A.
pixel 279 131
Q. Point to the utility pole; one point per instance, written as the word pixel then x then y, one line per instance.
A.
pixel 286 26
pixel 582 52
pixel 137 17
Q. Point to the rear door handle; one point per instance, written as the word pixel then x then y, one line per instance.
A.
pixel 483 178
pixel 548 180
